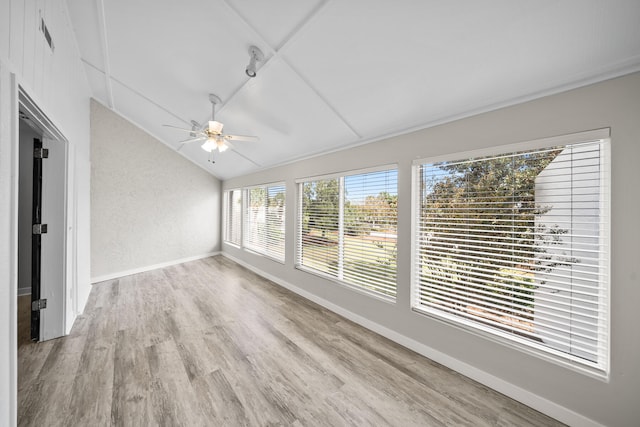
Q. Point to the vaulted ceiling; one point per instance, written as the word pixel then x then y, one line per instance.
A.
pixel 339 72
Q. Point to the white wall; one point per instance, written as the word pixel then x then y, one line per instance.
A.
pixel 561 392
pixel 149 206
pixel 57 84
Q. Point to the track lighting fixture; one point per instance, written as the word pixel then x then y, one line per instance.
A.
pixel 255 56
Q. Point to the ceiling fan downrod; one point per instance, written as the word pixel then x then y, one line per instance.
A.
pixel 215 100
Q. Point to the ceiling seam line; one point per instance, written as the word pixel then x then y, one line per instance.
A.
pixel 322 98
pixel 149 100
pixel 276 53
pixel 262 40
pixel 300 27
pixel 291 37
pixel 266 62
pixel 249 26
pixel 102 30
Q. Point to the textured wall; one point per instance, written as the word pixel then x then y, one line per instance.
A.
pixel 615 104
pixel 149 205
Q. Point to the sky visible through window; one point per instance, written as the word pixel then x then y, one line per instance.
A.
pixel 358 187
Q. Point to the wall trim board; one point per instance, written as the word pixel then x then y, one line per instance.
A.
pixel 526 397
pixel 119 274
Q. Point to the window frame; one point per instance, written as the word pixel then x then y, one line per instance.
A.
pixel 298 224
pixel 246 206
pixel 600 369
pixel 226 215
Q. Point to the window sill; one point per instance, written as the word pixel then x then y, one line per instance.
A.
pixel 377 295
pixel 548 354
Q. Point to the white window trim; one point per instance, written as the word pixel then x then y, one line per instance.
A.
pixel 601 370
pixel 334 175
pixel 573 138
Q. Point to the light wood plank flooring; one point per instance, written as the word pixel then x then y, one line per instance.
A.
pixel 24 320
pixel 208 343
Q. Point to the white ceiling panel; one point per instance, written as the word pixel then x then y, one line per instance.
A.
pixel 178 52
pixel 84 18
pixel 275 20
pixel 337 72
pixel 286 114
pixel 446 58
pixel 130 106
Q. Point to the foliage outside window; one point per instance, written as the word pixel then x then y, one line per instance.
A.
pixel 265 221
pixel 232 217
pixel 348 229
pixel 515 245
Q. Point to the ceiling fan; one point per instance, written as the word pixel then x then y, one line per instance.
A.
pixel 211 133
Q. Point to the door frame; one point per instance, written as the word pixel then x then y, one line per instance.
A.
pixel 53 320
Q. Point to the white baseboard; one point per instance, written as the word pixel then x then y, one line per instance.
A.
pixel 119 274
pixel 526 397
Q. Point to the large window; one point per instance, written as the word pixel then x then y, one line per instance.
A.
pixel 515 245
pixel 265 227
pixel 232 216
pixel 347 229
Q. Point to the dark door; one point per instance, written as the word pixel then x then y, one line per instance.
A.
pixel 36 239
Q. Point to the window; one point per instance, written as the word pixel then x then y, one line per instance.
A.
pixel 232 217
pixel 264 232
pixel 515 245
pixel 347 229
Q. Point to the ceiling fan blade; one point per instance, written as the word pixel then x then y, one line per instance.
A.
pixel 179 128
pixel 198 138
pixel 240 138
pixel 186 141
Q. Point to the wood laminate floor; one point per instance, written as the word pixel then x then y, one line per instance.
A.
pixel 24 320
pixel 208 343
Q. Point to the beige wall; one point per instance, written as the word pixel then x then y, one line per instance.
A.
pixel 149 205
pixel 557 390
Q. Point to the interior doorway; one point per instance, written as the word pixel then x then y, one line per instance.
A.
pixel 42 229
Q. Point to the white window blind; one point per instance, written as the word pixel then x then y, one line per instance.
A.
pixel 516 245
pixel 347 229
pixel 265 224
pixel 232 208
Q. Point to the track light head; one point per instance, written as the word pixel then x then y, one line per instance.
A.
pixel 255 56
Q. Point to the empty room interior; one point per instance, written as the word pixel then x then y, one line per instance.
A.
pixel 319 212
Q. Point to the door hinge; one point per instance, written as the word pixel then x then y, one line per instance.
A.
pixel 39 228
pixel 41 153
pixel 38 304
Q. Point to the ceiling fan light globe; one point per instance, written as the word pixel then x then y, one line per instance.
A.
pixel 222 147
pixel 209 145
